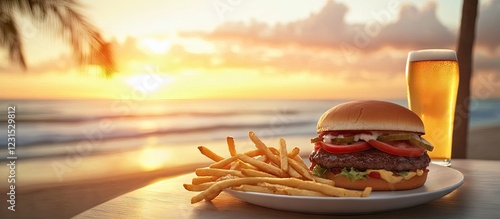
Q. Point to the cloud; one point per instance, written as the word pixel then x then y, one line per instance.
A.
pixel 322 43
pixel 63 63
pixel 413 28
pixel 487 29
pixel 270 50
pixel 416 28
pixel 322 28
pixel 486 62
pixel 325 27
pixel 325 43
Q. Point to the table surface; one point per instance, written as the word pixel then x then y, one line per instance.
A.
pixel 478 197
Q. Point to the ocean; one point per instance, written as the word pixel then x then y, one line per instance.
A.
pixel 55 123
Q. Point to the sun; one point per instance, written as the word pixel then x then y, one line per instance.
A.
pixel 155 46
pixel 147 82
pixel 152 159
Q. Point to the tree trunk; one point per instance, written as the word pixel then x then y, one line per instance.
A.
pixel 465 54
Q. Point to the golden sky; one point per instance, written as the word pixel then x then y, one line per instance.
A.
pixel 252 49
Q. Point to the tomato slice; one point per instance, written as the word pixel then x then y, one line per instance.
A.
pixel 344 148
pixel 400 148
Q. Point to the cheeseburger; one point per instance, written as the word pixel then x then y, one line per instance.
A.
pixel 371 144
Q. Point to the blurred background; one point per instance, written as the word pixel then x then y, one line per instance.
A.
pixel 245 49
pixel 174 75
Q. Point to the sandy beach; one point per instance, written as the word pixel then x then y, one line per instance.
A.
pixel 74 195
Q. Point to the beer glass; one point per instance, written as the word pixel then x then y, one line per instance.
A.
pixel 432 76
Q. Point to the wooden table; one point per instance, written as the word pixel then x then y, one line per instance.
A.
pixel 478 197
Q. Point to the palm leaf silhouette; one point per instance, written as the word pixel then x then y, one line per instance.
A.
pixel 86 42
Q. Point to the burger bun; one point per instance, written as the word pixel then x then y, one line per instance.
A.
pixel 378 184
pixel 373 115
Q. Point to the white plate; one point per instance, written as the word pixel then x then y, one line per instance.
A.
pixel 440 181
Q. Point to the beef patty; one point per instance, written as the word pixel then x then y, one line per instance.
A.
pixel 369 159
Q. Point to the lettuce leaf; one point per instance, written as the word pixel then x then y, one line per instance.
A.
pixel 320 171
pixel 403 173
pixel 352 174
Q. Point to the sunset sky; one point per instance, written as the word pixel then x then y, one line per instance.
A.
pixel 253 49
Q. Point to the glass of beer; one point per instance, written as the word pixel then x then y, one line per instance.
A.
pixel 432 76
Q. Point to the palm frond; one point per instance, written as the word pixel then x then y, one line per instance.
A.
pixel 84 38
pixel 11 39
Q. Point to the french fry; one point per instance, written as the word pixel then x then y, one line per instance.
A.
pixel 291 171
pixel 231 146
pixel 262 147
pixel 314 186
pixel 274 150
pixel 294 173
pixel 255 173
pixel 323 180
pixel 294 152
pixel 268 168
pixel 239 165
pixel 286 190
pixel 300 161
pixel 236 165
pixel 366 192
pixel 198 187
pixel 283 154
pixel 301 192
pixel 300 169
pixel 213 195
pixel 254 188
pixel 217 187
pixel 270 188
pixel 263 158
pixel 253 153
pixel 210 154
pixel 225 163
pixel 203 179
pixel 277 189
pixel 217 172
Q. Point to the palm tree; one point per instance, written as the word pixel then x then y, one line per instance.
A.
pixel 464 53
pixel 85 40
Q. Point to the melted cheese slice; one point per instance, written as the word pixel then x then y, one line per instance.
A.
pixel 391 178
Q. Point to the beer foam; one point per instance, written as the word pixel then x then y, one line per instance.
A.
pixel 432 54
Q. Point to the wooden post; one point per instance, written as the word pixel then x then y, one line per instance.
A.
pixel 465 60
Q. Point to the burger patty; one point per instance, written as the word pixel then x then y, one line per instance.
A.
pixel 369 159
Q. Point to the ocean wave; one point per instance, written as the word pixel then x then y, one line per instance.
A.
pixel 125 134
pixel 57 118
pixel 54 125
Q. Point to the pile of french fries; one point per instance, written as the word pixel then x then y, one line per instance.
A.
pixel 265 169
